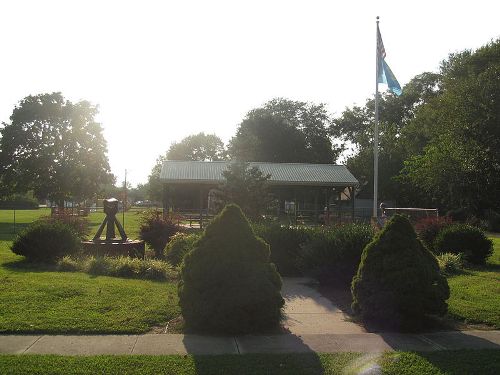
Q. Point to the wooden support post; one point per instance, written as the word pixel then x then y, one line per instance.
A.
pixel 165 200
pixel 295 204
pixel 316 216
pixel 352 192
pixel 201 208
pixel 279 206
pixel 327 205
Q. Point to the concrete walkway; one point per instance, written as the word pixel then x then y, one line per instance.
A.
pixel 288 343
pixel 308 312
pixel 314 322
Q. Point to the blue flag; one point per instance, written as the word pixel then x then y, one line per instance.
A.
pixel 385 74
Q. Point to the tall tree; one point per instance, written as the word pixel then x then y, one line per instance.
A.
pixel 247 187
pixel 200 147
pixel 154 185
pixel 54 148
pixel 399 137
pixel 196 147
pixel 285 131
pixel 460 165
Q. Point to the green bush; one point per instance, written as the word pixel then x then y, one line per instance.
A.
pixel 44 241
pixel 99 266
pixel 466 239
pixel 398 281
pixel 333 254
pixel 80 225
pixel 150 269
pixel 126 267
pixel 429 227
pixel 180 244
pixel 449 263
pixel 228 284
pixel 68 264
pixel 493 221
pixel 156 230
pixel 285 243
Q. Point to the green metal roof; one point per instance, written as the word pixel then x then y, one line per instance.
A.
pixel 204 172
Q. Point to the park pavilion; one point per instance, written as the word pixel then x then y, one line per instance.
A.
pixel 312 191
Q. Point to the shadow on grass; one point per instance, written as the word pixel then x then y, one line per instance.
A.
pixel 469 361
pixel 24 265
pixel 279 364
pixel 275 354
pixel 488 267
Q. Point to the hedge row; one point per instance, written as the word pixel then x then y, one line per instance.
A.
pixel 330 254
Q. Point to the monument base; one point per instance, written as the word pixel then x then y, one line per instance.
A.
pixel 131 248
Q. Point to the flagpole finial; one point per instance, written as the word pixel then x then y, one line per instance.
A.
pixel 378 18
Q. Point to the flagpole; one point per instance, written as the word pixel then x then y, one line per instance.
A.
pixel 375 136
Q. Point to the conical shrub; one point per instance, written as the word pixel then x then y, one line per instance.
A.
pixel 398 281
pixel 228 284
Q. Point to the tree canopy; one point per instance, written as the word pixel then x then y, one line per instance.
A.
pixel 285 131
pixel 439 141
pixel 460 165
pixel 198 147
pixel 54 148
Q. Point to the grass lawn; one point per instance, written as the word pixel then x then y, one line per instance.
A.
pixel 34 300
pixel 24 217
pixel 475 294
pixel 456 362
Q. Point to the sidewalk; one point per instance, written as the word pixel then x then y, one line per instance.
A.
pixel 308 312
pixel 289 343
pixel 314 322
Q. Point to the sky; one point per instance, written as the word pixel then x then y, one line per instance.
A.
pixel 162 70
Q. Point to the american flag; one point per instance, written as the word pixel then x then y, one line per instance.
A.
pixel 380 44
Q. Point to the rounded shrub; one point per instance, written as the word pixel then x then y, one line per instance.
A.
pixel 80 225
pixel 466 239
pixel 46 241
pixel 398 281
pixel 180 244
pixel 228 284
